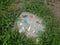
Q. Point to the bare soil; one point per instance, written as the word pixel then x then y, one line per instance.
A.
pixel 55 8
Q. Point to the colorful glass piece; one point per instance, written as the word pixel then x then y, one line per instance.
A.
pixel 31 16
pixel 25 21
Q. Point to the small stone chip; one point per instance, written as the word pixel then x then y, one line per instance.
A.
pixel 25 16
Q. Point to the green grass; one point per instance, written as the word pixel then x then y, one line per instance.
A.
pixel 11 37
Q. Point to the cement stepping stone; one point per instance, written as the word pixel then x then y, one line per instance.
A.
pixel 30 24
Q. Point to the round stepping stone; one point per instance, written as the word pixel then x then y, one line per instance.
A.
pixel 31 25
